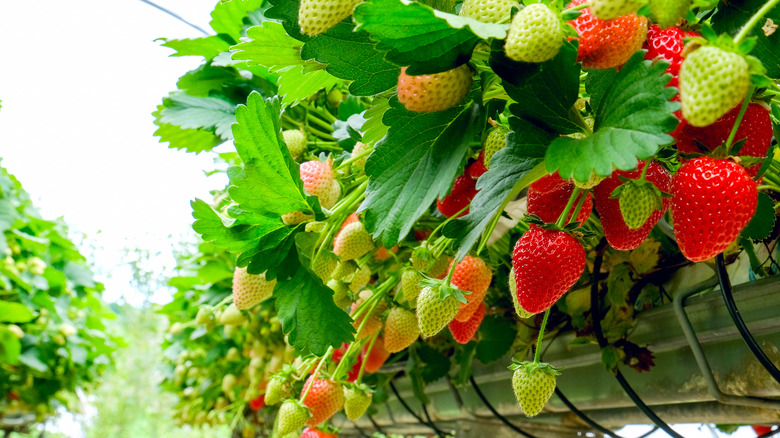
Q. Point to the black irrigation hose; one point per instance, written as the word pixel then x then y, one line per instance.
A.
pixel 495 412
pixel 376 426
pixel 408 409
pixel 596 317
pixel 648 433
pixel 584 417
pixel 728 298
pixel 428 416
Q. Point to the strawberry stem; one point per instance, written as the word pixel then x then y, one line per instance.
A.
pixel 354 158
pixel 538 351
pixel 316 371
pixel 373 301
pixel 754 20
pixel 363 365
pixel 644 170
pixel 565 213
pixel 741 114
pixel 576 8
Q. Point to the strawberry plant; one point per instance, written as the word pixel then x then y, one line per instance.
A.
pixel 378 146
pixel 53 335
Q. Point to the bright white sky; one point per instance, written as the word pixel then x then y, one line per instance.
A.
pixel 78 83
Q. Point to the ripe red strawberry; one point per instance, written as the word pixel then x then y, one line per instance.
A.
pixel 667 44
pixel 434 92
pixel 618 234
pixel 548 196
pixel 295 140
pixel 324 399
pixel 463 332
pixel 463 191
pixel 291 417
pixel 477 168
pixel 353 372
pixel 317 433
pixel 317 16
pixel 374 322
pixel 257 403
pixel 534 384
pixel 607 43
pixel 250 289
pixel 401 329
pixel 755 128
pixel 353 242
pixel 713 200
pixel 433 313
pixel 376 357
pixel 357 398
pixel 473 275
pixel 547 263
pixel 488 11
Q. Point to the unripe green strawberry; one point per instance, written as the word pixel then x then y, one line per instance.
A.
pixel 231 316
pixel 359 149
pixel 204 316
pixel 353 242
pixel 317 16
pixel 401 329
pixel 340 293
pixel 324 266
pixel 295 141
pixel 637 202
pixel 535 34
pixel 276 391
pixel 433 313
pixel 250 289
pixel 291 417
pixel 522 313
pixel 228 383
pixel 410 285
pixel 609 9
pixel 712 81
pixel 534 384
pixel 488 11
pixel 360 279
pixel 344 270
pixel 495 141
pixel 357 398
pixel 668 12
pixel 434 92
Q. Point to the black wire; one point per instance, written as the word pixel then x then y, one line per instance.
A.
pixel 376 426
pixel 495 412
pixel 596 317
pixel 428 416
pixel 174 15
pixel 584 417
pixel 728 298
pixel 649 432
pixel 406 406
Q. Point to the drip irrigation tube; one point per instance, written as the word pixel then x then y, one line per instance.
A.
pixel 596 317
pixel 728 298
pixel 584 417
pixel 408 409
pixel 495 412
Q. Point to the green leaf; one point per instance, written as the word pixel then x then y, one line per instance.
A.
pixel 207 47
pixel 374 129
pixel 352 56
pixel 763 221
pixel 286 12
pixel 190 140
pixel 205 79
pixel 228 16
pixel 633 117
pixel 14 312
pixel 309 317
pixel 511 169
pixel 730 17
pixel 434 364
pixel 497 334
pixel 9 346
pixel 297 84
pixel 546 94
pixel 269 182
pixel 268 45
pixel 619 282
pixel 32 358
pixel 426 40
pixel 465 358
pixel 193 112
pixel 413 165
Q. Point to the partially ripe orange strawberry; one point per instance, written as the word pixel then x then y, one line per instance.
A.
pixel 324 399
pixel 374 322
pixel 401 329
pixel 319 181
pixel 463 332
pixel 250 289
pixel 434 92
pixel 473 275
pixel 376 357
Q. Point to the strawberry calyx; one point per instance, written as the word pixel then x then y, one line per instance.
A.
pixel 445 288
pixel 531 367
pixel 578 232
pixel 361 388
